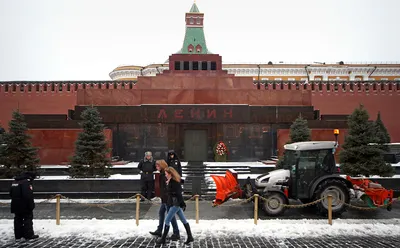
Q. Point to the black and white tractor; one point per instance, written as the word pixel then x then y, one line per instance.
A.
pixel 309 173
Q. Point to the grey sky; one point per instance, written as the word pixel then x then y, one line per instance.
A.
pixel 86 39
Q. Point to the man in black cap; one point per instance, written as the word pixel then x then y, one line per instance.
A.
pixel 147 166
pixel 22 205
pixel 174 162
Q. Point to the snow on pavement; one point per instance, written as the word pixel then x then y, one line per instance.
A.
pixel 121 229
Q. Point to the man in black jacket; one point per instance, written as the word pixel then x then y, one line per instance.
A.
pixel 22 205
pixel 174 162
pixel 147 166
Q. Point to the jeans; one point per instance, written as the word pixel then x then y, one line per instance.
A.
pixel 161 215
pixel 171 214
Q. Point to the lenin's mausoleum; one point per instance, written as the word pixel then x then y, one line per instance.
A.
pixel 194 100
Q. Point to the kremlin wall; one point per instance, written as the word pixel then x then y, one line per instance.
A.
pixel 194 100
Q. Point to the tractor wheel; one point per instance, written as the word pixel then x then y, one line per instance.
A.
pixel 340 195
pixel 273 203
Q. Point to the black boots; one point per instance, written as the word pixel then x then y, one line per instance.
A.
pixel 189 234
pixel 35 236
pixel 164 236
pixel 175 237
pixel 156 233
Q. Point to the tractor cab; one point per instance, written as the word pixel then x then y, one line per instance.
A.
pixel 307 162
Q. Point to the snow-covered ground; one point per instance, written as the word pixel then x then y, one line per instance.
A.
pixel 121 229
pixel 89 201
pixel 184 164
pixel 114 176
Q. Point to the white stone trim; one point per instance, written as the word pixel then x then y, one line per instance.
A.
pixel 325 72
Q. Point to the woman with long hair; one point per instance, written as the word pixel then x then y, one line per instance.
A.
pixel 176 203
pixel 161 165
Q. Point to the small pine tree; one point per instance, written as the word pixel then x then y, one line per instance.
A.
pixel 381 134
pixel 90 159
pixel 18 153
pixel 358 157
pixel 299 132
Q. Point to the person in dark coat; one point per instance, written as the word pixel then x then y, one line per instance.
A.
pixel 22 205
pixel 161 165
pixel 174 161
pixel 147 167
pixel 176 203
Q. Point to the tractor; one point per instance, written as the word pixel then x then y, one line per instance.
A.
pixel 309 173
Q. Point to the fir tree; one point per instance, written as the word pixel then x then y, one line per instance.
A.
pixel 90 159
pixel 358 157
pixel 381 134
pixel 18 153
pixel 299 132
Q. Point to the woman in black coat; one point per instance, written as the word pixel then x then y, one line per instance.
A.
pixel 161 165
pixel 176 203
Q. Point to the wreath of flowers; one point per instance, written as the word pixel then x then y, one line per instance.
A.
pixel 221 149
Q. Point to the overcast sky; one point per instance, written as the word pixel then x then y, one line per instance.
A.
pixel 86 39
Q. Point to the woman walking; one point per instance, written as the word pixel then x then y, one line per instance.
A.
pixel 161 165
pixel 176 203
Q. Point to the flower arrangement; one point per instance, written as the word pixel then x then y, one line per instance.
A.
pixel 220 151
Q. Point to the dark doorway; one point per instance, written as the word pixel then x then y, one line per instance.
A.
pixel 195 145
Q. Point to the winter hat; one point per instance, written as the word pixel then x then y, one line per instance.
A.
pixel 148 153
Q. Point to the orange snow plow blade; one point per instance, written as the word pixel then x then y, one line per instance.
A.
pixel 227 187
pixel 377 195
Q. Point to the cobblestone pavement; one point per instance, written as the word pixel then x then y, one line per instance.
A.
pixel 71 242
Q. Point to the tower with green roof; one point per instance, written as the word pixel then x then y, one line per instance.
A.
pixel 195 41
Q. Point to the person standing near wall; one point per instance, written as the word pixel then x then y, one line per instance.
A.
pixel 161 165
pixel 174 161
pixel 176 203
pixel 147 166
pixel 22 205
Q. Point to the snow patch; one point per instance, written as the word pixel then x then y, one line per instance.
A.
pixel 123 229
pixel 237 164
pixel 89 201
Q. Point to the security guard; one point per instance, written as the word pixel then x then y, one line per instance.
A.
pixel 22 205
pixel 147 166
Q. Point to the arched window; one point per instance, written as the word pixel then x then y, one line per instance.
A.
pixel 190 48
pixel 191 20
pixel 198 49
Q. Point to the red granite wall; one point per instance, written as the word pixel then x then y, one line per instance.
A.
pixel 344 103
pixel 35 102
pixel 57 145
pixel 187 89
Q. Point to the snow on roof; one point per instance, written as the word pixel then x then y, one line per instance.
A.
pixel 310 145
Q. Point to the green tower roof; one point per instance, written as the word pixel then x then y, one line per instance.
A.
pixel 194 9
pixel 194 36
